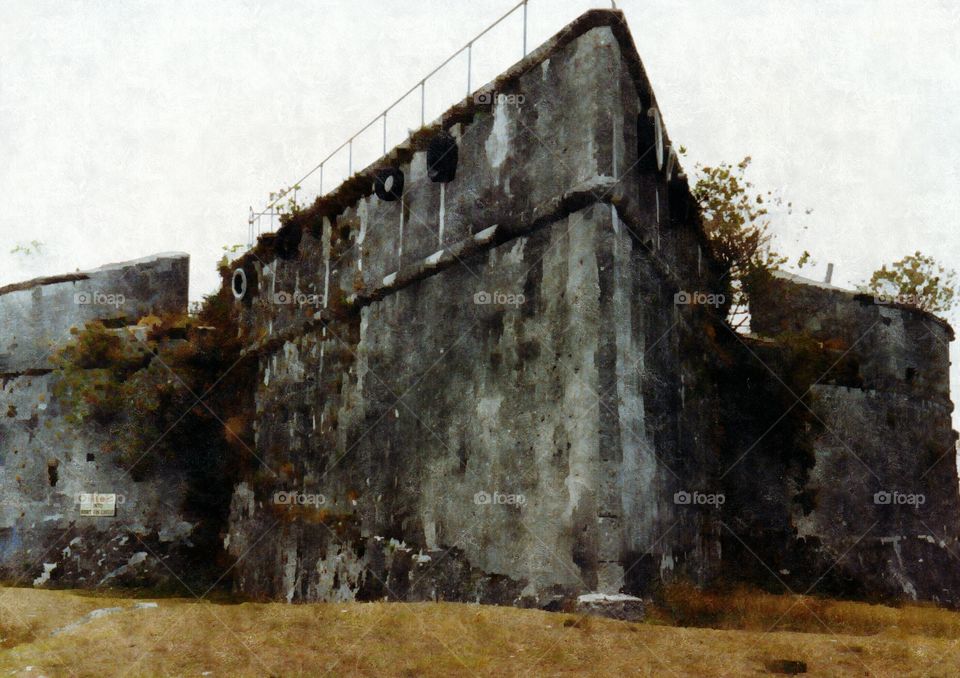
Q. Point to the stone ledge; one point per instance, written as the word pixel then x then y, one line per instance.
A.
pixel 580 197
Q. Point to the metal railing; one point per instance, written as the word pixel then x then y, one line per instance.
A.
pixel 273 209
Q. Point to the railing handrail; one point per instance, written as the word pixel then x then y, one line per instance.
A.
pixel 276 198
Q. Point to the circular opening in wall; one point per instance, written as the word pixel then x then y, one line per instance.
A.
pixel 239 283
pixel 442 155
pixel 389 184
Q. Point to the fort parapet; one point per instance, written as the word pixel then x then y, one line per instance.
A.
pixel 494 366
pixel 508 332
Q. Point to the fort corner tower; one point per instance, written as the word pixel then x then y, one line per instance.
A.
pixel 491 398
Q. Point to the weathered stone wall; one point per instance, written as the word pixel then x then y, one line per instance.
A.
pixel 875 505
pixel 37 315
pixel 515 386
pixel 898 348
pixel 892 518
pixel 389 392
pixel 46 461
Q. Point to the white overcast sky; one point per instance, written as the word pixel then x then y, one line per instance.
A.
pixel 128 128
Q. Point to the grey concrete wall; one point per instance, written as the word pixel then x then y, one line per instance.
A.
pixel 402 418
pixel 899 348
pixel 46 461
pixel 36 316
pixel 873 500
pixel 441 399
pixel 387 391
pixel 885 483
pixel 41 529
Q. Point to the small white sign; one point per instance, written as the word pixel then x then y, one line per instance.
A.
pixel 98 505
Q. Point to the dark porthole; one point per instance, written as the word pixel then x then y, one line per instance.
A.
pixel 442 158
pixel 389 184
pixel 239 283
pixel 288 241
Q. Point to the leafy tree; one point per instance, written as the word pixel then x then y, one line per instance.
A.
pixel 142 386
pixel 918 280
pixel 735 221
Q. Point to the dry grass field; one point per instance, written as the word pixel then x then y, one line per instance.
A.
pixel 750 632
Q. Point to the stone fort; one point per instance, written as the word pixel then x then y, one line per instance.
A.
pixel 480 370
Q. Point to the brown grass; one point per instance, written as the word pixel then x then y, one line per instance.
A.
pixel 751 610
pixel 184 637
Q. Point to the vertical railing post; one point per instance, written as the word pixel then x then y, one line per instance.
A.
pixel 524 28
pixel 385 132
pixel 423 102
pixel 350 159
pixel 321 179
pixel 469 64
